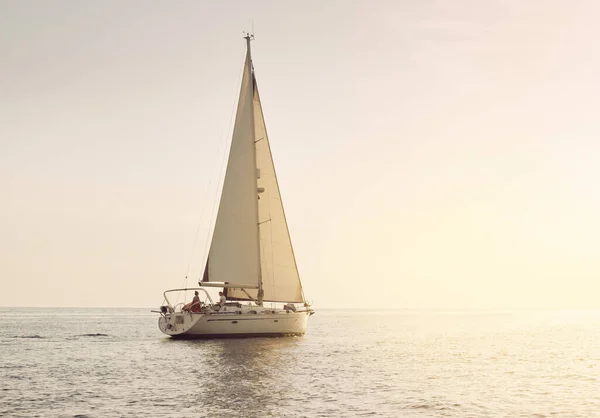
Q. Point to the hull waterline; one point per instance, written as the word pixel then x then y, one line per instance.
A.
pixel 187 325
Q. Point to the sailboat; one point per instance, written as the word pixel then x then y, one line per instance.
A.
pixel 251 255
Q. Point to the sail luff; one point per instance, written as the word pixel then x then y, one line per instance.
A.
pixel 234 250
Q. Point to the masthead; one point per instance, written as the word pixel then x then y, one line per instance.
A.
pixel 249 37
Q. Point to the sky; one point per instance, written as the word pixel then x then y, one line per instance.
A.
pixel 430 154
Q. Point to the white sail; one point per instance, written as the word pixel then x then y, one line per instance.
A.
pixel 280 279
pixel 234 251
pixel 251 253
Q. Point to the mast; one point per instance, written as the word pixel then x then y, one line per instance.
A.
pixel 249 37
pixel 251 253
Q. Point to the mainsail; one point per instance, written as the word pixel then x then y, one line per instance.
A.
pixel 234 250
pixel 251 245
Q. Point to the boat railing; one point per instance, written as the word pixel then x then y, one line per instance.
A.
pixel 171 308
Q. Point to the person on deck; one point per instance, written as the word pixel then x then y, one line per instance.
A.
pixel 222 300
pixel 194 305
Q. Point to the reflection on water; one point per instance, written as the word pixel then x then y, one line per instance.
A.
pixel 249 370
pixel 220 374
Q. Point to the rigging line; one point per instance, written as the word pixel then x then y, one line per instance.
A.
pixel 270 163
pixel 265 162
pixel 248 294
pixel 270 268
pixel 264 258
pixel 221 173
pixel 202 213
pixel 271 244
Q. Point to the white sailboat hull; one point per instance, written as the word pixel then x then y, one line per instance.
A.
pixel 251 255
pixel 232 325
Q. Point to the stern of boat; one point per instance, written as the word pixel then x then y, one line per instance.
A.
pixel 177 323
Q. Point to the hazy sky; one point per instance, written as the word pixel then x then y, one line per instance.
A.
pixel 431 154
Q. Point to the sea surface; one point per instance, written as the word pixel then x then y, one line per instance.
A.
pixel 115 362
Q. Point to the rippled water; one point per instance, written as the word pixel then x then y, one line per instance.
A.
pixel 115 362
